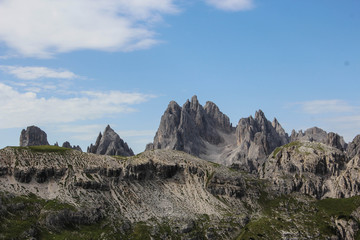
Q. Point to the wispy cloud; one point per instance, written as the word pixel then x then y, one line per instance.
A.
pixel 32 73
pixel 23 109
pixel 325 106
pixel 232 5
pixel 43 28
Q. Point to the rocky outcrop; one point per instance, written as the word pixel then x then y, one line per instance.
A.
pixel 257 138
pixel 33 136
pixel 190 127
pixel 315 169
pixel 110 143
pixel 346 229
pixel 354 147
pixel 67 218
pixel 68 145
pixel 316 134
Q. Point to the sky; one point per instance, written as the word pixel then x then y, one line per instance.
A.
pixel 72 67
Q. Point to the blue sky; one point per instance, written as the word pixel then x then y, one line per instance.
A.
pixel 72 67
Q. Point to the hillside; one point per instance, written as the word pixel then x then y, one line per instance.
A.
pixel 52 192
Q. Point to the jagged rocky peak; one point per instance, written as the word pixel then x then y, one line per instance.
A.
pixel 68 145
pixel 257 137
pixel 316 134
pixel 354 147
pixel 190 127
pixel 221 120
pixel 313 134
pixel 279 129
pixel 33 136
pixel 110 143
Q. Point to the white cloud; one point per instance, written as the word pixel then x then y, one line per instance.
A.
pixel 232 5
pixel 23 109
pixel 326 106
pixel 38 28
pixel 32 73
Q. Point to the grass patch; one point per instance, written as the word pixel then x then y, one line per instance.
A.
pixel 141 231
pixel 214 164
pixel 295 144
pixel 209 178
pixel 55 205
pixel 262 228
pixel 306 216
pixel 44 148
pixel 342 207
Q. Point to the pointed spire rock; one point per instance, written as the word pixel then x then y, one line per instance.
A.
pixel 256 139
pixel 190 127
pixel 110 143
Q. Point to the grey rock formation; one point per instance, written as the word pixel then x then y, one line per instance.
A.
pixel 33 136
pixel 313 134
pixel 313 168
pixel 307 167
pixel 316 134
pixel 257 138
pixel 68 145
pixel 207 132
pixel 190 127
pixel 354 147
pixel 110 143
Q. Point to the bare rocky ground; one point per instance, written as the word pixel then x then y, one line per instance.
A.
pixel 50 192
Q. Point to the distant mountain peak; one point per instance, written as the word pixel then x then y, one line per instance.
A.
pixel 110 143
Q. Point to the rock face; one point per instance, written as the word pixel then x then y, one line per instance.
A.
pixel 110 143
pixel 354 147
pixel 33 136
pixel 68 145
pixel 316 134
pixel 306 167
pixel 313 168
pixel 257 138
pixel 190 127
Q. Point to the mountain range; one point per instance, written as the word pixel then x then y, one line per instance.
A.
pixel 201 178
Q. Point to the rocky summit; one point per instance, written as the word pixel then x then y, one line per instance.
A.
pixel 33 136
pixel 201 178
pixel 316 134
pixel 110 143
pixel 207 132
